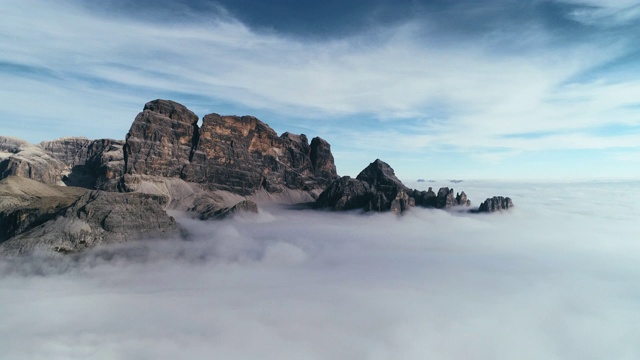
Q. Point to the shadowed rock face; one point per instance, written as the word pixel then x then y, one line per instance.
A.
pixel 496 203
pixel 91 164
pixel 322 163
pixel 239 154
pixel 376 188
pixel 20 158
pixel 73 161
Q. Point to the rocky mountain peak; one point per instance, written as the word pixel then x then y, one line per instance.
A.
pixel 172 110
pixel 376 188
pixel 379 173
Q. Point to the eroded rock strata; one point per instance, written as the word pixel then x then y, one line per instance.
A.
pixel 239 154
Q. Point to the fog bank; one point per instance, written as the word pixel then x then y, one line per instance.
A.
pixel 554 278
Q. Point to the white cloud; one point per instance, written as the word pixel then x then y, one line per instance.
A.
pixel 87 74
pixel 556 279
pixel 400 74
pixel 605 13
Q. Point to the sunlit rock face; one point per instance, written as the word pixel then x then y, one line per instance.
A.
pixel 239 154
pixel 20 158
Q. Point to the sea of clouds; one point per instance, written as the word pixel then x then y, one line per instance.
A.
pixel 557 277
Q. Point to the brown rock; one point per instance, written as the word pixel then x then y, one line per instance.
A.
pixel 238 154
pixel 161 140
pixel 92 164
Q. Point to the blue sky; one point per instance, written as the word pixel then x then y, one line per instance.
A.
pixel 439 89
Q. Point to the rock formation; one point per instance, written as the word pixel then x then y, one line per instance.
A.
pixel 376 188
pixel 92 164
pixel 496 203
pixel 67 219
pixel 209 211
pixel 20 158
pixel 239 154
pixel 168 161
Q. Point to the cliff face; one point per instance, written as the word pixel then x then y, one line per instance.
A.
pixel 92 164
pixel 238 154
pixel 376 188
pixel 74 161
pixel 160 140
pixel 20 158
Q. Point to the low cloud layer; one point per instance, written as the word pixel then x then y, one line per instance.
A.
pixel 556 278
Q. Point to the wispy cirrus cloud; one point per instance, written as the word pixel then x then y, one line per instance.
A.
pixel 463 90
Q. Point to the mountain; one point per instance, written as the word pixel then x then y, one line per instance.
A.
pixel 377 188
pixel 71 193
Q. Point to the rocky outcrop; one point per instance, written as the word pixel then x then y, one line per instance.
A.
pixel 92 164
pixel 161 140
pixel 376 188
pixel 218 213
pixel 444 199
pixel 20 158
pixel 68 219
pixel 26 203
pixel 322 162
pixel 496 203
pixel 239 154
pixel 345 193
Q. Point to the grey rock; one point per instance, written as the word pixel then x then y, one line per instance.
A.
pixel 496 203
pixel 67 219
pixel 239 154
pixel 213 206
pixel 376 188
pixel 445 198
pixel 425 198
pixel 245 206
pixel 20 158
pixel 26 203
pixel 92 164
pixel 345 193
pixel 322 162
